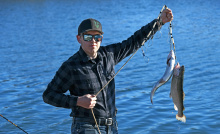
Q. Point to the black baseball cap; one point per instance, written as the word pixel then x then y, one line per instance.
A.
pixel 90 25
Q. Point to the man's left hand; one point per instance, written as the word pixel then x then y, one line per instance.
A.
pixel 166 15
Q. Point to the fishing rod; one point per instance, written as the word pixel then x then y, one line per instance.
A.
pixel 13 123
pixel 145 39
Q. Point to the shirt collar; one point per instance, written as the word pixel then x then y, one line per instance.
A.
pixel 85 57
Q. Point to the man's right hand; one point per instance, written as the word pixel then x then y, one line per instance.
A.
pixel 87 101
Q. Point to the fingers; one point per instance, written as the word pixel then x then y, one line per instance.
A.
pixel 93 96
pixel 92 101
pixel 87 101
pixel 167 15
pixel 167 10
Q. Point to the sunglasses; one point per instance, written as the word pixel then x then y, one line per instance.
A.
pixel 88 37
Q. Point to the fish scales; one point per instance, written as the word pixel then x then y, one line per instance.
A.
pixel 167 74
pixel 177 93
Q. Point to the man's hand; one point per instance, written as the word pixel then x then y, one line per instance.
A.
pixel 87 101
pixel 166 15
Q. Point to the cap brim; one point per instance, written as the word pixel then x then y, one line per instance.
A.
pixel 93 30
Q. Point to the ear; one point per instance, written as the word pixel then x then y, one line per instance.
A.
pixel 78 38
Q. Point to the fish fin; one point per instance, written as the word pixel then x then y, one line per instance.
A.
pixel 168 63
pixel 184 96
pixel 183 118
pixel 175 107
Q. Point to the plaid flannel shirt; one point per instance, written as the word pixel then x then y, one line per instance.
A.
pixel 81 75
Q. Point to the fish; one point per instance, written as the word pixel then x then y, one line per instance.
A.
pixel 177 93
pixel 167 74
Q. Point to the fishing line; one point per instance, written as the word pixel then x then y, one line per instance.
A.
pixel 149 44
pixel 13 123
pixel 146 58
pixel 168 38
pixel 172 44
pixel 145 39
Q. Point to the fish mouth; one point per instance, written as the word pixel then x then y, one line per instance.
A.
pixel 181 68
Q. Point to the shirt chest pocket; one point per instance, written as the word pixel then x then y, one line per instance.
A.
pixel 110 75
pixel 86 85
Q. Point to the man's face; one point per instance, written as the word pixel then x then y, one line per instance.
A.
pixel 90 47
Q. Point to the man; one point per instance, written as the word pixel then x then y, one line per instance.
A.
pixel 88 70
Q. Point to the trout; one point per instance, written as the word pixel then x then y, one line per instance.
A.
pixel 167 74
pixel 177 93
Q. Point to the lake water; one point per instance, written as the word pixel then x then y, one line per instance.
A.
pixel 36 36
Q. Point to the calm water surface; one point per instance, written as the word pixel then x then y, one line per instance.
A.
pixel 37 36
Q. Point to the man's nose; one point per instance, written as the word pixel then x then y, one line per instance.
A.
pixel 93 39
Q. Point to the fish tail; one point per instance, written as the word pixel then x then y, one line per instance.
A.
pixel 183 118
pixel 152 93
pixel 156 86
